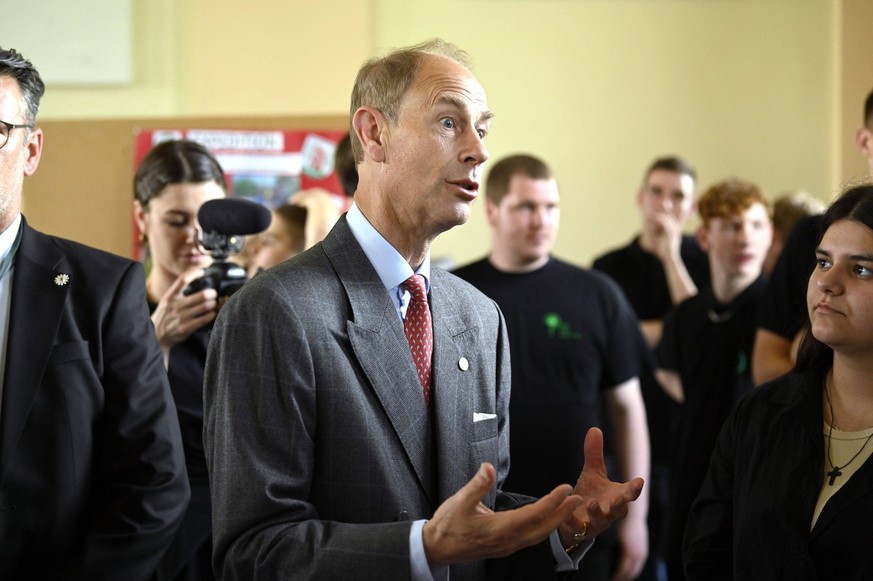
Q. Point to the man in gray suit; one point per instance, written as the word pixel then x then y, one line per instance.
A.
pixel 331 454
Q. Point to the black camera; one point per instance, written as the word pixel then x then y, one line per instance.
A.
pixel 225 222
pixel 224 276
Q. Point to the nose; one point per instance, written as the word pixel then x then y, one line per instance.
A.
pixel 193 232
pixel 666 204
pixel 540 217
pixel 474 150
pixel 829 281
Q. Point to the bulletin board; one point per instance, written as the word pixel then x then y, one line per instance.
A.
pixel 265 166
pixel 83 188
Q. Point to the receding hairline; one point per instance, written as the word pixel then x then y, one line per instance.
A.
pixel 370 88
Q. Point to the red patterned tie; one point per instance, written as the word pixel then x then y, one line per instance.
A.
pixel 419 330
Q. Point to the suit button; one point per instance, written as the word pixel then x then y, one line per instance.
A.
pixel 403 515
pixel 463 364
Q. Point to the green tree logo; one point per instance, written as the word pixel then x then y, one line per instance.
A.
pixel 558 328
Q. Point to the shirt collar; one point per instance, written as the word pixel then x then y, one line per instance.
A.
pixel 390 266
pixel 7 237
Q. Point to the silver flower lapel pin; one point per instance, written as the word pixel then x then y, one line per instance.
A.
pixel 62 279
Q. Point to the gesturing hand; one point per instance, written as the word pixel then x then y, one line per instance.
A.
pixel 603 501
pixel 464 529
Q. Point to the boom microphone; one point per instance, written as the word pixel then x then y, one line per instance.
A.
pixel 225 223
pixel 230 216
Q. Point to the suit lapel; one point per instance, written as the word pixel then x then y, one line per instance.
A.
pixel 34 317
pixel 379 344
pixel 453 404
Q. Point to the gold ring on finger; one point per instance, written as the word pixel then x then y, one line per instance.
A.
pixel 582 535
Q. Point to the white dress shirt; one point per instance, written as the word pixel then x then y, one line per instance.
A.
pixel 7 238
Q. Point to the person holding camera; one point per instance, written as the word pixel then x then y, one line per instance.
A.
pixel 172 182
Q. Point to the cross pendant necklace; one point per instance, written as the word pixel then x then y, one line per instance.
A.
pixel 835 470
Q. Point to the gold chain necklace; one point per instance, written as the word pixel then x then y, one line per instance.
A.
pixel 836 470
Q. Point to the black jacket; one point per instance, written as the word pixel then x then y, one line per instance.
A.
pixel 92 477
pixel 752 517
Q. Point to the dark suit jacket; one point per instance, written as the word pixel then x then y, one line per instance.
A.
pixel 319 443
pixel 753 514
pixel 92 478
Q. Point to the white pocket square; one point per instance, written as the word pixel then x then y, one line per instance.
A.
pixel 481 417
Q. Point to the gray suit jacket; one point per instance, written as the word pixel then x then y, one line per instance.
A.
pixel 320 447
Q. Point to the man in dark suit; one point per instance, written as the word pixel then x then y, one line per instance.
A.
pixel 332 453
pixel 92 478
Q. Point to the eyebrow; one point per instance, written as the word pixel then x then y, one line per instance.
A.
pixel 459 103
pixel 862 257
pixel 177 213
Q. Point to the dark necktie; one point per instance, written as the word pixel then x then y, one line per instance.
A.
pixel 419 330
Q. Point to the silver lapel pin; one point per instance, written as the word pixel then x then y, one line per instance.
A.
pixel 62 279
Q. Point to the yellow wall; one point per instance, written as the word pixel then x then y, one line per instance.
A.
pixel 854 68
pixel 220 57
pixel 599 88
pixel 754 88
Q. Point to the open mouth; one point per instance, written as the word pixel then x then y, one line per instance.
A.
pixel 467 185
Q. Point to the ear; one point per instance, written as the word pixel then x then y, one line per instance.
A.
pixel 863 140
pixel 776 244
pixel 491 212
pixel 369 124
pixel 139 217
pixel 703 238
pixel 34 151
pixel 640 193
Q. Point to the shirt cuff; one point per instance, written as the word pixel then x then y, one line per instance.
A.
pixel 565 562
pixel 421 570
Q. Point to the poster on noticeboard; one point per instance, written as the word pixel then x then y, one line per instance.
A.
pixel 265 166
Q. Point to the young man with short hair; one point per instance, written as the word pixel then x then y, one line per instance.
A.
pixel 575 349
pixel 658 269
pixel 706 347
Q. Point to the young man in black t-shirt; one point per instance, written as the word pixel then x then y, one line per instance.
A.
pixel 658 269
pixel 575 349
pixel 661 266
pixel 706 346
